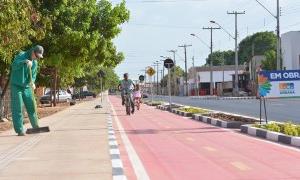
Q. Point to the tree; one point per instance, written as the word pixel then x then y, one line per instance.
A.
pixel 176 73
pixel 270 62
pixel 20 25
pixel 81 34
pixel 262 41
pixel 221 57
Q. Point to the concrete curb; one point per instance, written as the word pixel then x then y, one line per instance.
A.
pixel 217 122
pixel 223 98
pixel 181 113
pixel 270 135
pixel 116 161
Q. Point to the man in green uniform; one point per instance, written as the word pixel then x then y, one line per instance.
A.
pixel 23 75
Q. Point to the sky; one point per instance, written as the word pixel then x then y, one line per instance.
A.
pixel 156 26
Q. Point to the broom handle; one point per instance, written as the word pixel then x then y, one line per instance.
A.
pixel 32 91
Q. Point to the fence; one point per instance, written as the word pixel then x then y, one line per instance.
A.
pixel 5 111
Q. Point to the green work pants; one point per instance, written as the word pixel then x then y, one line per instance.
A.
pixel 18 96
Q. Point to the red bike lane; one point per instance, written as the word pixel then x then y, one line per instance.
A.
pixel 174 147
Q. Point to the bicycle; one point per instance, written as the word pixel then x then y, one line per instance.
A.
pixel 127 98
pixel 137 103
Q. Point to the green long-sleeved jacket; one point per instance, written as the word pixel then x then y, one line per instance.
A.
pixel 19 69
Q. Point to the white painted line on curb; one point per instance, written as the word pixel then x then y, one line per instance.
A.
pixel 295 141
pixel 204 119
pixel 252 131
pixel 122 177
pixel 117 163
pixel 137 164
pixel 113 143
pixel 273 136
pixel 114 151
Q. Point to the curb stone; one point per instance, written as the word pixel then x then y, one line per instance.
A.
pixel 117 165
pixel 270 135
pixel 217 122
pixel 224 98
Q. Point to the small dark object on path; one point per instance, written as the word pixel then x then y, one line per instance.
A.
pixel 38 130
pixel 98 106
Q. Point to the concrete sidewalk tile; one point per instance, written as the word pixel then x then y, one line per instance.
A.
pixel 76 148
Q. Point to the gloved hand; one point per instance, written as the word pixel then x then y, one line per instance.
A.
pixel 29 63
pixel 33 86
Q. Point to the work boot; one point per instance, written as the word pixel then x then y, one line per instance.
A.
pixel 123 103
pixel 21 134
pixel 132 111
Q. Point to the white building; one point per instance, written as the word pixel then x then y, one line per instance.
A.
pixel 290 44
pixel 220 74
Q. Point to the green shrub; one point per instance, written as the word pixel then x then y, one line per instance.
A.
pixel 193 110
pixel 286 128
pixel 290 129
pixel 298 129
pixel 259 126
pixel 272 127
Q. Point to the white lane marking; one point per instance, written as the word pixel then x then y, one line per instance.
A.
pixel 137 164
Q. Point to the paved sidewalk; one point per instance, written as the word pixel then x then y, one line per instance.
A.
pixel 76 148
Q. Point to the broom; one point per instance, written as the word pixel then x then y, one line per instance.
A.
pixel 39 129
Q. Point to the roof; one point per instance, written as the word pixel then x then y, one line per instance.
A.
pixel 217 68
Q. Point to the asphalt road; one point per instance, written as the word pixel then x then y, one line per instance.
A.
pixel 277 109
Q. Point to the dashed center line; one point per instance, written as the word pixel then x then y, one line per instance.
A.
pixel 208 148
pixel 190 139
pixel 240 166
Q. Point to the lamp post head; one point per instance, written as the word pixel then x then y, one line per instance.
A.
pixel 193 34
pixel 214 22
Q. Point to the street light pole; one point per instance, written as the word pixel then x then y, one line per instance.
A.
pixel 174 71
pixel 185 62
pixel 195 77
pixel 157 88
pixel 211 61
pixel 236 79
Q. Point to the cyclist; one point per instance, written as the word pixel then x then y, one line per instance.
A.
pixel 127 85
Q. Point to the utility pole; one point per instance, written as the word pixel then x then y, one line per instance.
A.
pixel 161 87
pixel 174 71
pixel 162 78
pixel 157 88
pixel 277 17
pixel 211 61
pixel 195 77
pixel 185 62
pixel 278 37
pixel 236 77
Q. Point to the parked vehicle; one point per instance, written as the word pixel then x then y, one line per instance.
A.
pixel 145 95
pixel 62 96
pixel 84 94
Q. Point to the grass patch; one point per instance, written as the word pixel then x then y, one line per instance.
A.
pixel 193 110
pixel 154 103
pixel 284 128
